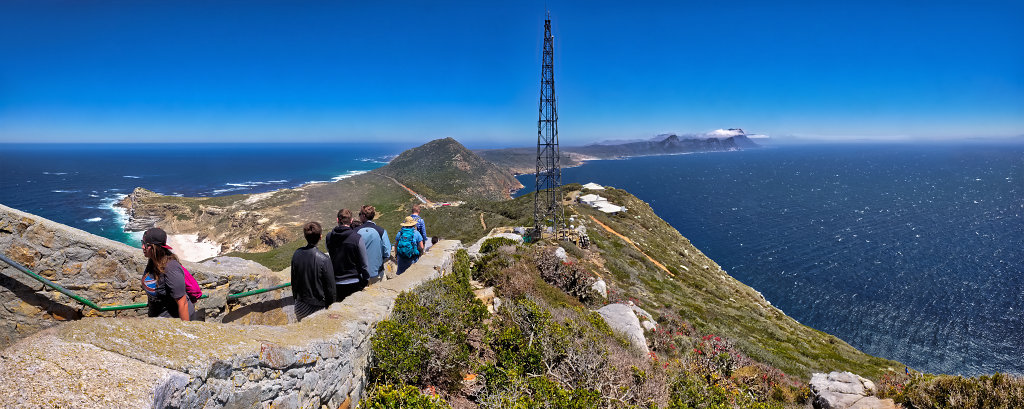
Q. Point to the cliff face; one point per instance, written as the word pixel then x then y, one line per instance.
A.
pixel 443 169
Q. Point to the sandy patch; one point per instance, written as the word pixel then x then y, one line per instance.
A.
pixel 188 247
pixel 257 197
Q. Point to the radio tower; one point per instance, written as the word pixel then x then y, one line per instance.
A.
pixel 547 207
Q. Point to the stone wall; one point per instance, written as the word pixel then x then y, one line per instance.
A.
pixel 107 273
pixel 166 363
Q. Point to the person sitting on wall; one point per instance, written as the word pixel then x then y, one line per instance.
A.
pixel 164 279
pixel 313 284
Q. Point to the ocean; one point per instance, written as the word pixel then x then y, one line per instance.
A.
pixel 78 184
pixel 909 252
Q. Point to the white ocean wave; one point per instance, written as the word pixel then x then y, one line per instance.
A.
pixel 349 174
pixel 120 213
pixel 55 173
pixel 253 184
pixel 233 189
pixel 94 219
pixel 132 177
pixel 65 191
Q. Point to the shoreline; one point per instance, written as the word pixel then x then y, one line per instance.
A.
pixel 187 246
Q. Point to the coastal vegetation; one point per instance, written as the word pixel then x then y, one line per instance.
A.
pixel 544 347
pixel 716 342
pixel 927 391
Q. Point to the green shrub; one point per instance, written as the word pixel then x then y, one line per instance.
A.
pixel 568 276
pixel 494 243
pixel 689 391
pixel 563 357
pixel 947 391
pixel 425 340
pixel 388 396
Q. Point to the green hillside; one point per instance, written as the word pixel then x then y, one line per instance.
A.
pixel 443 170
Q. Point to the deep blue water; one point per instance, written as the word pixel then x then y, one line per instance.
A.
pixel 77 184
pixel 908 252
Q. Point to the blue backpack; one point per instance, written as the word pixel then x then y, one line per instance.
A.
pixel 405 243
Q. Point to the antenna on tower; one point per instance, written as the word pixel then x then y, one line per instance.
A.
pixel 547 205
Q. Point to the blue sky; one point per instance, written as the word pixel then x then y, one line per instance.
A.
pixel 234 71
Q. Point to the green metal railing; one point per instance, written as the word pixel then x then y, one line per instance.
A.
pixel 93 305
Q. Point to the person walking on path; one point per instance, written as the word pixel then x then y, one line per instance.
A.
pixel 408 245
pixel 348 256
pixel 313 284
pixel 164 279
pixel 378 246
pixel 421 226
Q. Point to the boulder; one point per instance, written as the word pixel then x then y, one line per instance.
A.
pixel 486 296
pixel 620 318
pixel 845 390
pixel 560 253
pixel 600 287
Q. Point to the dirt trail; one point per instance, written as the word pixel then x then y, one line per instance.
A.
pixel 412 192
pixel 482 221
pixel 627 240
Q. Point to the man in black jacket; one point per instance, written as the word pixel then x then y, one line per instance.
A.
pixel 348 255
pixel 313 281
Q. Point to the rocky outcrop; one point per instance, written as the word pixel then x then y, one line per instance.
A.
pixel 107 273
pixel 844 390
pixel 142 217
pixel 622 319
pixel 600 287
pixel 164 363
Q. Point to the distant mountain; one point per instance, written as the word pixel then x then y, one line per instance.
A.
pixel 672 144
pixel 523 160
pixel 443 169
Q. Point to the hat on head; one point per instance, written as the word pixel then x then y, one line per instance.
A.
pixel 156 236
pixel 409 222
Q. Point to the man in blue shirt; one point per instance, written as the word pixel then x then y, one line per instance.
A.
pixel 421 226
pixel 375 238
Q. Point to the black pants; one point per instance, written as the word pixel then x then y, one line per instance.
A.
pixel 345 290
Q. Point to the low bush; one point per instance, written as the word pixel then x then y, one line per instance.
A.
pixel 494 243
pixel 568 276
pixel 917 391
pixel 425 340
pixel 389 396
pixel 563 357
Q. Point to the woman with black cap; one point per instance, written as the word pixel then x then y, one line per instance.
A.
pixel 164 278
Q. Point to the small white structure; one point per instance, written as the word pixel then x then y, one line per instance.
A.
pixel 593 186
pixel 609 208
pixel 601 204
pixel 591 199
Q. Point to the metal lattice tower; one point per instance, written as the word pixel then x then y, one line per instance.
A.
pixel 547 206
